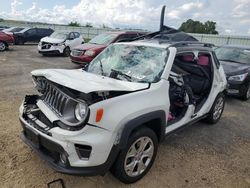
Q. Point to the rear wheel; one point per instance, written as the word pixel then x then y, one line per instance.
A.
pixel 217 109
pixel 66 51
pixel 246 94
pixel 137 158
pixel 3 46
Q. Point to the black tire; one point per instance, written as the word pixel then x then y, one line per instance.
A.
pixel 3 46
pixel 66 51
pixel 246 94
pixel 212 117
pixel 118 169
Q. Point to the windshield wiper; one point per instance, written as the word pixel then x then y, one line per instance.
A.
pixel 114 73
pixel 101 67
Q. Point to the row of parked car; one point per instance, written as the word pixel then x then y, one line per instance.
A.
pixel 113 113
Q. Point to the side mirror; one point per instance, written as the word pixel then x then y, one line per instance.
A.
pixel 85 67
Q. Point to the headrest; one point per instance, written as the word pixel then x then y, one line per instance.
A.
pixel 203 60
pixel 188 58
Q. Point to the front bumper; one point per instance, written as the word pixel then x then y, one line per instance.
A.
pixel 237 89
pixel 80 59
pixel 53 143
pixel 51 49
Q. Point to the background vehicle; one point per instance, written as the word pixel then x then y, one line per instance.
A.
pixel 13 29
pixel 85 53
pixel 6 39
pixel 31 35
pixel 113 114
pixel 3 27
pixel 236 63
pixel 60 43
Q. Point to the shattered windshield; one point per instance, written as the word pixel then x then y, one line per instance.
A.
pixel 233 54
pixel 130 63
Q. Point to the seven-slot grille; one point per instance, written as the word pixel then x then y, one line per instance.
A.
pixel 54 98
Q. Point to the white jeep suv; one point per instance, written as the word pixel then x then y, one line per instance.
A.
pixel 113 114
pixel 59 43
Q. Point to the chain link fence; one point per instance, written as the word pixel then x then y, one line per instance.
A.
pixel 90 32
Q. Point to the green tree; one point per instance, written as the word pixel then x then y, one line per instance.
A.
pixel 74 24
pixel 191 26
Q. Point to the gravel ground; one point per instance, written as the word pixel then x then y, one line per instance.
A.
pixel 198 156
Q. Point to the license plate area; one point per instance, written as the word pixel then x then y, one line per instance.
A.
pixel 32 136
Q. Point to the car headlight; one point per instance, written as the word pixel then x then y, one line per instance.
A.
pixel 238 78
pixel 89 53
pixel 81 111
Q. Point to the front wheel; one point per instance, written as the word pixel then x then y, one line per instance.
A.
pixel 217 109
pixel 137 158
pixel 246 94
pixel 3 46
pixel 66 51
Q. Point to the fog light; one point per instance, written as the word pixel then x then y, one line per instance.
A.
pixel 63 158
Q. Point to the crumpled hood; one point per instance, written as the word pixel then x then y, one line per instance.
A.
pixel 87 82
pixel 52 40
pixel 232 68
pixel 88 46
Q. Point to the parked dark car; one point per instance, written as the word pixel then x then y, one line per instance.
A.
pixel 86 52
pixel 13 29
pixel 236 63
pixel 31 35
pixel 6 39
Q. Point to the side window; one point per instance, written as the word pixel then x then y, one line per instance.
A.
pixel 71 36
pixel 31 32
pixel 77 35
pixel 41 32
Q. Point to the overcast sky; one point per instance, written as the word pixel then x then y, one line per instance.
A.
pixel 232 16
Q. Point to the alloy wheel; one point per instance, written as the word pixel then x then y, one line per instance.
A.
pixel 248 93
pixel 139 156
pixel 2 46
pixel 218 108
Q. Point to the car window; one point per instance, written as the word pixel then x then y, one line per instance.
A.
pixel 233 54
pixel 31 32
pixel 71 35
pixel 104 38
pixel 77 35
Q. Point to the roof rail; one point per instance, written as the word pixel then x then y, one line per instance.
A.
pixel 191 43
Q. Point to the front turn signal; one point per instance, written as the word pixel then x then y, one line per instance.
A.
pixel 99 114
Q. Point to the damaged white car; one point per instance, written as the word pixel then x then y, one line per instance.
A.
pixel 113 114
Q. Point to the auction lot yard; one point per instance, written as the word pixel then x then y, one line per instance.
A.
pixel 198 156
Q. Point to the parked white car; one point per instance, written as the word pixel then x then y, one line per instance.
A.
pixel 60 43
